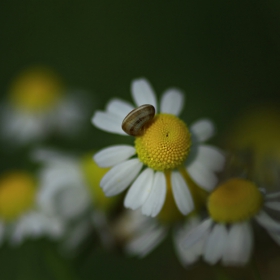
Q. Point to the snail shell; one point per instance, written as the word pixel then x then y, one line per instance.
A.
pixel 133 124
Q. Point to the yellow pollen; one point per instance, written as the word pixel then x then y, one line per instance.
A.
pixel 165 143
pixel 93 175
pixel 17 194
pixel 235 200
pixel 36 89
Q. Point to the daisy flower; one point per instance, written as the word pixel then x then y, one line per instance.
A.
pixel 20 217
pixel 227 234
pixel 63 189
pixel 37 105
pixel 162 156
pixel 70 191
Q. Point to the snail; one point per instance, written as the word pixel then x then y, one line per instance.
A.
pixel 134 123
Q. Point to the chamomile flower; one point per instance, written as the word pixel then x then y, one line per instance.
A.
pixel 37 105
pixel 162 156
pixel 20 217
pixel 64 192
pixel 70 191
pixel 227 235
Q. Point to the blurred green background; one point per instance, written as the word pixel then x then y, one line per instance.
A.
pixel 225 55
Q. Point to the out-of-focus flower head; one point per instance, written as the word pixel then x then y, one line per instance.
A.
pixel 19 214
pixel 254 140
pixel 70 191
pixel 227 234
pixel 39 104
pixel 165 153
pixel 136 233
pixel 36 90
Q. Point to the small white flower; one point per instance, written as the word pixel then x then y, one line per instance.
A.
pixel 38 105
pixel 71 194
pixel 167 150
pixel 20 216
pixel 227 234
pixel 64 192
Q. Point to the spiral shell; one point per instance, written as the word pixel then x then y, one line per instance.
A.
pixel 134 123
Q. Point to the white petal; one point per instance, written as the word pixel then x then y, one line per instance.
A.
pixel 267 222
pixel 108 122
pixel 204 177
pixel 22 127
pixel 143 93
pixel 35 224
pixel 215 244
pixel 156 198
pixel 196 234
pixel 202 130
pixel 239 244
pixel 2 232
pixel 190 255
pixel 146 241
pixel 75 236
pixel 113 155
pixel 274 205
pixel 211 157
pixel 120 177
pixel 172 101
pixel 275 237
pixel 181 193
pixel 119 107
pixel 46 154
pixel 272 195
pixel 73 202
pixel 130 222
pixel 140 189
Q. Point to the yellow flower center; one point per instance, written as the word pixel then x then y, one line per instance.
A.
pixel 17 194
pixel 165 144
pixel 234 201
pixel 36 90
pixel 93 175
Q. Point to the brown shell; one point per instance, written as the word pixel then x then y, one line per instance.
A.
pixel 135 121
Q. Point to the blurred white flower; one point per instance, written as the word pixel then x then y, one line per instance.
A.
pixel 227 234
pixel 38 105
pixel 70 191
pixel 63 188
pixel 20 216
pixel 139 234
